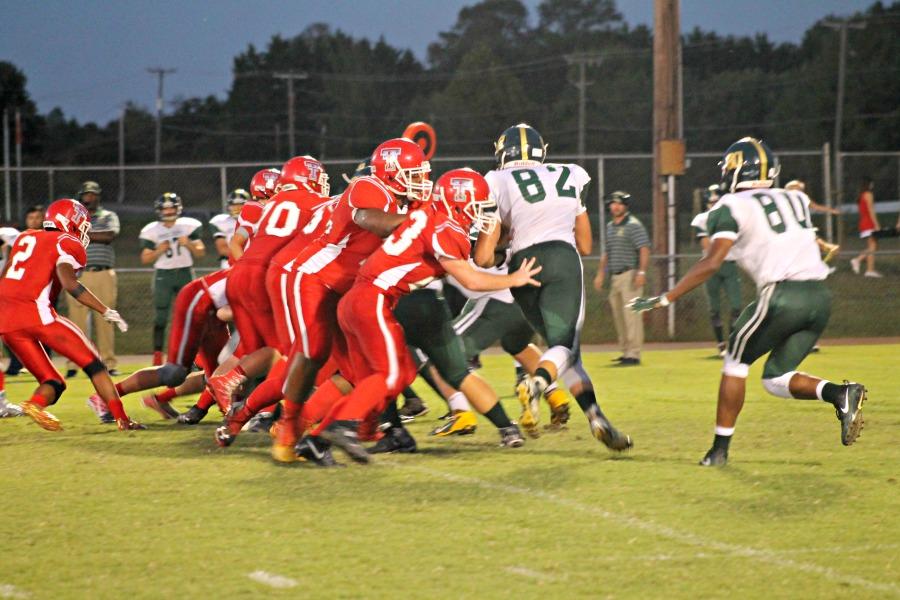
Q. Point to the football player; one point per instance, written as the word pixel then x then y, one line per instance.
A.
pixel 433 240
pixel 40 265
pixel 223 225
pixel 171 243
pixel 302 190
pixel 726 278
pixel 369 210
pixel 772 235
pixel 541 209
pixel 263 186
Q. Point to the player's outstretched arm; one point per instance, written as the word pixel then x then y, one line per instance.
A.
pixel 377 221
pixel 485 250
pixel 70 283
pixel 702 270
pixel 478 281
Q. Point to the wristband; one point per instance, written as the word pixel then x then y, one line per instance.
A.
pixel 663 301
pixel 78 290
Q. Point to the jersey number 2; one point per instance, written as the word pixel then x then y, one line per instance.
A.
pixel 15 271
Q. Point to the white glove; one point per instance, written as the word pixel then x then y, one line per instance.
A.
pixel 112 316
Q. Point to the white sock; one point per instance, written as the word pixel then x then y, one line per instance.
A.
pixel 819 388
pixel 458 401
pixel 726 431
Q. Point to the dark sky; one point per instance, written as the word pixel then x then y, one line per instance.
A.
pixel 89 56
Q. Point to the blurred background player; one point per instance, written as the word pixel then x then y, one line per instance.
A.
pixel 775 243
pixel 223 225
pixel 40 265
pixel 829 251
pixel 99 275
pixel 868 225
pixel 626 256
pixel 726 278
pixel 170 243
pixel 540 207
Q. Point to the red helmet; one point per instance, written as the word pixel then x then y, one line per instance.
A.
pixel 304 172
pixel 466 197
pixel 401 165
pixel 69 216
pixel 263 184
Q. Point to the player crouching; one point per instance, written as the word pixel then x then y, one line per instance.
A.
pixel 42 262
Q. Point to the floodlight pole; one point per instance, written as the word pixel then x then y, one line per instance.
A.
pixel 290 77
pixel 161 75
pixel 583 60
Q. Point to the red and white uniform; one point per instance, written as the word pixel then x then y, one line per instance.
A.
pixel 283 216
pixel 866 222
pixel 28 291
pixel 281 277
pixel 327 267
pixel 380 363
pixel 196 332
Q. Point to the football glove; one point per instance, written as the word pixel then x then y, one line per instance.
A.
pixel 642 304
pixel 112 316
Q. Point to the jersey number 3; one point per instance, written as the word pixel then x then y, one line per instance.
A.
pixel 396 244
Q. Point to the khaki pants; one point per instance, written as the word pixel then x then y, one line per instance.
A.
pixel 104 285
pixel 629 324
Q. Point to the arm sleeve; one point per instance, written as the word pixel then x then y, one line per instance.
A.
pixel 366 194
pixel 699 225
pixel 147 244
pixel 195 234
pixel 71 252
pixel 449 241
pixel 721 223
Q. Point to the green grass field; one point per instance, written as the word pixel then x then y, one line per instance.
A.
pixel 94 513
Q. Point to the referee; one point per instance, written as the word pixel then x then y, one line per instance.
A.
pixel 99 275
pixel 626 255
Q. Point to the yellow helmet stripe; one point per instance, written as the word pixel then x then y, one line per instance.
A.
pixel 523 143
pixel 763 159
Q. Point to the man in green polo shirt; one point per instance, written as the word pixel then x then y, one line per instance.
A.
pixel 99 276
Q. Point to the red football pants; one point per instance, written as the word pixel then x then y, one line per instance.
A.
pixel 62 336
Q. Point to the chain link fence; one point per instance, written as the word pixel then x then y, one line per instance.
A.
pixel 130 192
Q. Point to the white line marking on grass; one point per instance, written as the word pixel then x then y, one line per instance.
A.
pixel 685 537
pixel 10 591
pixel 531 573
pixel 272 580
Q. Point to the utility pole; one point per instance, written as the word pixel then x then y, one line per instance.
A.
pixel 6 183
pixel 668 143
pixel 582 60
pixel 121 197
pixel 161 75
pixel 290 78
pixel 841 26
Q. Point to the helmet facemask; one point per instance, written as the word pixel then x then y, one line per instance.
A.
pixel 414 181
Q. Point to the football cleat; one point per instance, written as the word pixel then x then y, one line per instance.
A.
pixel 8 410
pixel 41 416
pixel 313 450
pixel 529 394
pixel 260 422
pixel 461 423
pixel 283 454
pixel 194 415
pixel 722 348
pixel 343 434
pixel 716 457
pixel 604 431
pixel 412 408
pixel 559 410
pixel 222 387
pixel 224 437
pixel 511 437
pixel 98 405
pixel 396 439
pixel 849 412
pixel 165 409
pixel 127 424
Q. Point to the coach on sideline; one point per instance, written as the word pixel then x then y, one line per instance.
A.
pixel 626 254
pixel 99 275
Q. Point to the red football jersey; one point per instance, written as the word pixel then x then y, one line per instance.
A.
pixel 283 216
pixel 249 218
pixel 28 288
pixel 336 255
pixel 314 228
pixel 410 258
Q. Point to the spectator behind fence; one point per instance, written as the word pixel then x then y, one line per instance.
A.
pixel 170 243
pixel 626 254
pixel 34 221
pixel 99 276
pixel 868 225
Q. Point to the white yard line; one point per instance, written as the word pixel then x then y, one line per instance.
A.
pixel 272 580
pixel 764 555
pixel 10 591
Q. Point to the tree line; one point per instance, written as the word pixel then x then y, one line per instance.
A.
pixel 498 65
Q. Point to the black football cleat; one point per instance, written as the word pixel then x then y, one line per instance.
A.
pixel 343 434
pixel 849 412
pixel 412 407
pixel 192 416
pixel 604 431
pixel 716 457
pixel 511 437
pixel 313 450
pixel 396 439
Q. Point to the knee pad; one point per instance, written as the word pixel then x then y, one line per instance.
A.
pixel 733 368
pixel 58 388
pixel 779 386
pixel 172 375
pixel 95 367
pixel 560 356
